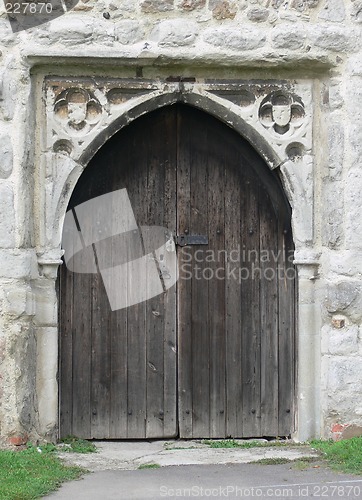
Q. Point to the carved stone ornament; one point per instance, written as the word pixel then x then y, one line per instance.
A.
pixel 77 110
pixel 281 112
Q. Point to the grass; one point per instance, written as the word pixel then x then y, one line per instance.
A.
pixel 272 461
pixel 231 443
pixel 149 466
pixel 78 445
pixel 344 455
pixel 33 473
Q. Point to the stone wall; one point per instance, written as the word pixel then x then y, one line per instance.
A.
pixel 282 40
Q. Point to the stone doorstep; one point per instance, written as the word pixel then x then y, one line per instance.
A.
pixel 125 455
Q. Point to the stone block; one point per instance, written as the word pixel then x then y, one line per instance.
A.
pixel 19 301
pixel 223 10
pixel 7 37
pixel 189 5
pixel 333 10
pixel 235 39
pixel 117 8
pixel 336 148
pixel 155 6
pixel 353 223
pixel 18 264
pixel 288 37
pixel 258 15
pixel 356 11
pixel 344 297
pixel 333 213
pixel 335 96
pixel 8 87
pixel 104 32
pixel 7 217
pixel 6 156
pixel 128 32
pixel 346 263
pixel 333 38
pixel 341 342
pixel 175 33
pixel 351 431
pixel 71 29
pixel 344 380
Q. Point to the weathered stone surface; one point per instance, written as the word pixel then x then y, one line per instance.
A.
pixel 228 38
pixel 333 216
pixel 356 11
pixel 336 99
pixel 288 37
pixel 344 381
pixel 7 216
pixel 8 87
pixel 7 37
pixel 223 10
pixel 344 263
pixel 128 32
pixel 175 33
pixel 258 15
pixel 333 10
pixel 341 342
pixel 6 156
pixel 332 38
pixel 353 191
pixel 70 29
pixel 189 5
pixel 345 298
pixel 118 8
pixel 351 431
pixel 336 150
pixel 154 6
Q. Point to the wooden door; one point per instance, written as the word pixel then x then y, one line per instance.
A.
pixel 213 356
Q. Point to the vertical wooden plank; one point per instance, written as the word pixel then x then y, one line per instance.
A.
pixel 65 351
pixel 157 152
pixel 251 309
pixel 269 315
pixel 82 324
pixel 136 314
pixel 118 319
pixel 216 295
pixel 200 322
pixel 100 395
pixel 233 183
pixel 286 296
pixel 184 285
pixel 170 419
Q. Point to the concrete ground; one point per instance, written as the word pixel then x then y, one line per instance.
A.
pixel 187 469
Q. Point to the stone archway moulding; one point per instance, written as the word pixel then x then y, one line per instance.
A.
pixel 81 114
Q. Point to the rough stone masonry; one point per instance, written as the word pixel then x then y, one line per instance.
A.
pixel 308 48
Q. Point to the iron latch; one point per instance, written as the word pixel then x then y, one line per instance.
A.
pixel 191 239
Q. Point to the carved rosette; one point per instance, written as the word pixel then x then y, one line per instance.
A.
pixel 282 113
pixel 77 110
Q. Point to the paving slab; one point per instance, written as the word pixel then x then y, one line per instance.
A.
pixel 214 481
pixel 130 455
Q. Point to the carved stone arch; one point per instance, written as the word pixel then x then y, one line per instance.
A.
pixel 288 149
pixel 204 101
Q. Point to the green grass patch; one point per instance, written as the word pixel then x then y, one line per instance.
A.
pixel 33 473
pixel 231 443
pixel 272 461
pixel 78 445
pixel 149 466
pixel 345 455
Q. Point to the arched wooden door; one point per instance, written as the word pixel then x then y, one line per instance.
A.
pixel 212 356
